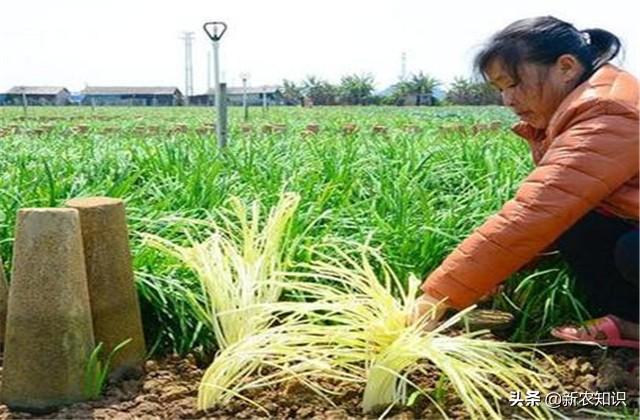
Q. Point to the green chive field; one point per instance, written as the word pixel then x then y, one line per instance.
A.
pixel 412 182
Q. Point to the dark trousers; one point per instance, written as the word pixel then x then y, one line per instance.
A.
pixel 602 252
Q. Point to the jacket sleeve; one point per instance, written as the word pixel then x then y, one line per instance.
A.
pixel 583 165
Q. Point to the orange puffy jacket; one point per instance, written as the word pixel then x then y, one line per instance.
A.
pixel 586 159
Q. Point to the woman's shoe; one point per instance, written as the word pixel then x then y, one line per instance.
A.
pixel 604 331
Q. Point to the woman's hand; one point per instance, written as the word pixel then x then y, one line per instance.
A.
pixel 428 304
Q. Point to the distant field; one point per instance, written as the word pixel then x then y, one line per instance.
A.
pixel 417 179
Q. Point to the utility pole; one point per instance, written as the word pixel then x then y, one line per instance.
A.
pixel 208 71
pixel 245 107
pixel 188 65
pixel 264 99
pixel 403 67
pixel 24 102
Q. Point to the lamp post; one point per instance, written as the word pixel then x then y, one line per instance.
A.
pixel 264 99
pixel 24 101
pixel 245 106
pixel 214 31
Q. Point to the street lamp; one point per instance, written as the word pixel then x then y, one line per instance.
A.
pixel 23 90
pixel 214 31
pixel 245 77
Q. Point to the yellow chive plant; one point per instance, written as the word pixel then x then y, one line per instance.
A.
pixel 352 325
pixel 353 329
pixel 237 266
pixel 371 321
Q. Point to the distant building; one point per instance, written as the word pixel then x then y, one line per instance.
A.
pixel 3 99
pixel 76 98
pixel 417 99
pixel 38 95
pixel 255 96
pixel 132 96
pixel 413 99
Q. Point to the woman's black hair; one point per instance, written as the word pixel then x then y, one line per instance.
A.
pixel 541 40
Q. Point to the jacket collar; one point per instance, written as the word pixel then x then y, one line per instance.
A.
pixel 528 132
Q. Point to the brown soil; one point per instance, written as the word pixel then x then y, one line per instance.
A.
pixel 169 386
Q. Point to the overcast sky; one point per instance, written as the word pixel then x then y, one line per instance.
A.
pixel 137 42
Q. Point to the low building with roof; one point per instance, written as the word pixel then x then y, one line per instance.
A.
pixel 412 99
pixel 132 96
pixel 38 95
pixel 255 96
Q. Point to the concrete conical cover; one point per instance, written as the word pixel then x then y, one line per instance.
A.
pixel 49 335
pixel 4 295
pixel 114 301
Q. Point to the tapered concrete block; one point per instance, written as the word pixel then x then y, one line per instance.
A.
pixel 114 301
pixel 49 335
pixel 4 290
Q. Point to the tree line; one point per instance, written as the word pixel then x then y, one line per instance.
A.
pixel 358 89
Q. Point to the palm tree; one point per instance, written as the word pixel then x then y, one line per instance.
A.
pixel 468 92
pixel 291 93
pixel 461 91
pixel 419 84
pixel 423 84
pixel 319 91
pixel 356 89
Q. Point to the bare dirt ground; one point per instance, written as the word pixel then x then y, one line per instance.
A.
pixel 168 390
